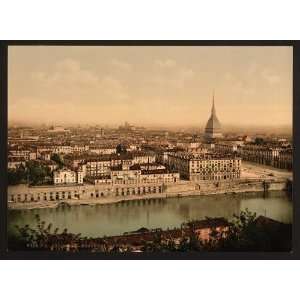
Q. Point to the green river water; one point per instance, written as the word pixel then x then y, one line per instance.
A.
pixel 117 218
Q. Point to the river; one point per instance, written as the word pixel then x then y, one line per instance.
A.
pixel 117 218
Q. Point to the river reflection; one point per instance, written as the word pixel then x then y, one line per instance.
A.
pixel 113 219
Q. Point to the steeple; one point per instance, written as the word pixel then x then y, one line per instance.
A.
pixel 213 126
pixel 213 110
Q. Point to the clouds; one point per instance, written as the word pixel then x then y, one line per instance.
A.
pixel 70 79
pixel 167 63
pixel 153 84
pixel 67 73
pixel 71 88
pixel 255 78
pixel 121 65
pixel 271 77
pixel 113 89
pixel 68 65
pixel 170 74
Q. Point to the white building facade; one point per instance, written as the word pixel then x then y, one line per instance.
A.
pixel 66 176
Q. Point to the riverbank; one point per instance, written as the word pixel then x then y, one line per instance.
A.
pixel 254 178
pixel 124 216
pixel 211 189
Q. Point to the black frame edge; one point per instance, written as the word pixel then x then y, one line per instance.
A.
pixel 296 149
pixel 3 147
pixel 4 254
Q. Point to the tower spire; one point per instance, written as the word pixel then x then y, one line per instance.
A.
pixel 213 128
pixel 213 110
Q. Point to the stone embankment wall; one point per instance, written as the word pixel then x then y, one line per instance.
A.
pixel 23 196
pixel 236 186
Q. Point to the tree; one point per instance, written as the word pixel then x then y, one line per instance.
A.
pixel 37 173
pixel 249 233
pixel 56 157
pixel 259 141
pixel 245 233
pixel 121 149
pixel 17 176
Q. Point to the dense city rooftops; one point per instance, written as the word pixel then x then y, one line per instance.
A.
pixel 16 159
pixel 102 146
pixel 144 234
pixel 19 148
pixel 135 167
pixel 64 169
pixel 207 223
pixel 98 177
pixel 149 165
pixel 107 157
pixel 157 171
pixel 47 162
pixel 118 168
pixel 265 147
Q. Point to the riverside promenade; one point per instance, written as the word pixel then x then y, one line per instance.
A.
pixel 255 178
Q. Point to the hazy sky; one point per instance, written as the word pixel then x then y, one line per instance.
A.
pixel 150 85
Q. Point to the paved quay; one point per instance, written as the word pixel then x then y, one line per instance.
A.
pixel 239 186
pixel 253 170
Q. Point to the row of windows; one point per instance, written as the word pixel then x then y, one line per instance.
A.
pixel 46 196
pixel 213 171
pixel 216 168
pixel 144 180
pixel 97 195
pixel 97 165
pixel 219 177
pixel 144 190
pixel 215 164
pixel 41 196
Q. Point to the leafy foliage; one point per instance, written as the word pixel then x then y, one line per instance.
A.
pixel 33 173
pixel 44 237
pixel 17 176
pixel 259 141
pixel 244 233
pixel 121 149
pixel 56 157
pixel 37 172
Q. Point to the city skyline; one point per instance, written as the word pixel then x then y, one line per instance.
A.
pixel 150 86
